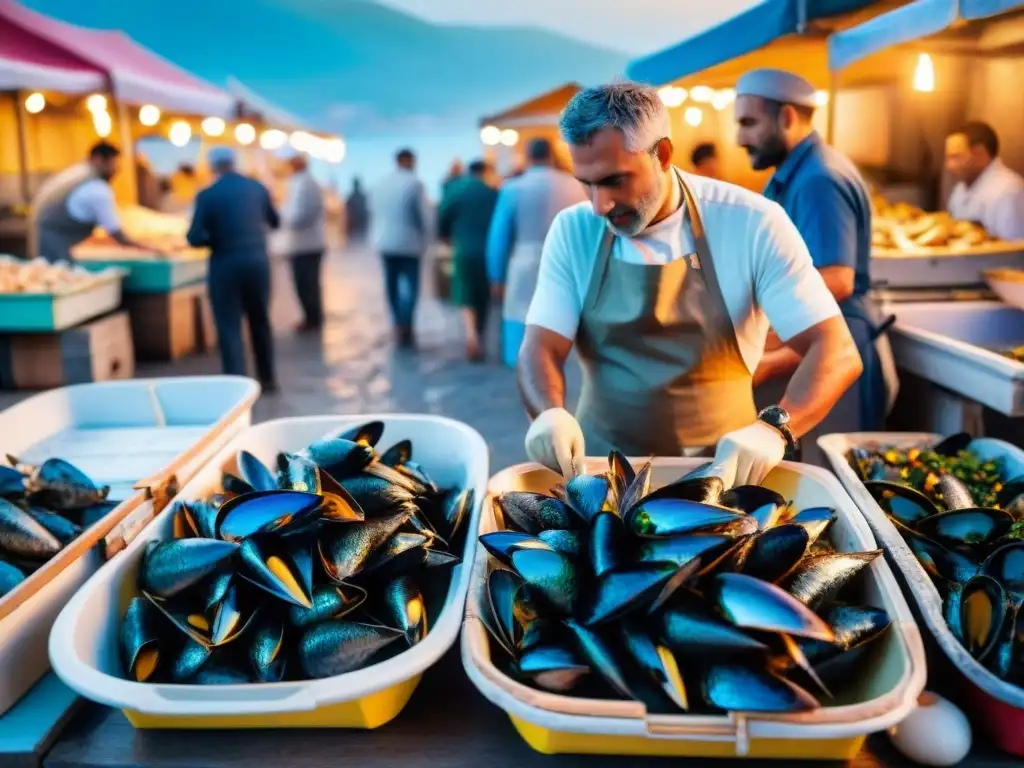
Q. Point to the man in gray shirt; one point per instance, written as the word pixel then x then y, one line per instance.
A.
pixel 399 220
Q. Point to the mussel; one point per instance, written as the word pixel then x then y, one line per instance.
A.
pixel 645 588
pixel 286 575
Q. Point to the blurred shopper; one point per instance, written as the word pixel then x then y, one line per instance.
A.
pixel 357 214
pixel 526 207
pixel 463 221
pixel 455 172
pixel 399 217
pixel 986 190
pixel 231 219
pixel 302 241
pixel 72 203
pixel 704 159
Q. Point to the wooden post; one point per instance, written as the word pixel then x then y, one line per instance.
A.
pixel 129 175
pixel 22 122
pixel 830 114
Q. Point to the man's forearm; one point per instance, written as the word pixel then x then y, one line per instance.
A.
pixel 123 239
pixel 541 378
pixel 821 378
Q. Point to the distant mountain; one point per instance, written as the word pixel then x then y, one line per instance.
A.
pixel 354 65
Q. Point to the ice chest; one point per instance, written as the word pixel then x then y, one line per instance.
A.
pixel 84 641
pixel 553 723
pixel 995 706
pixel 140 437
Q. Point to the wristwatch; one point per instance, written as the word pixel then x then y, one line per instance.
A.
pixel 777 417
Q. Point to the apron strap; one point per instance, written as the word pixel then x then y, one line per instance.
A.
pixel 706 266
pixel 603 256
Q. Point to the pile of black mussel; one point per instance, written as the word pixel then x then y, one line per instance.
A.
pixel 690 597
pixel 43 509
pixel 970 546
pixel 333 560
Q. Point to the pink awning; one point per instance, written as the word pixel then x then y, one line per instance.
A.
pixel 28 62
pixel 139 76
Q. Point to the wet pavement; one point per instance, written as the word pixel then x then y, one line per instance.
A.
pixel 354 367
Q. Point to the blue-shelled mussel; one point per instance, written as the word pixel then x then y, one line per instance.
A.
pixel 321 562
pixel 963 519
pixel 43 509
pixel 689 597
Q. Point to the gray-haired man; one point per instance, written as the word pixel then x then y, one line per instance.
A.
pixel 667 283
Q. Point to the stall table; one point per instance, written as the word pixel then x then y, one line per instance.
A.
pixel 446 724
pixel 923 268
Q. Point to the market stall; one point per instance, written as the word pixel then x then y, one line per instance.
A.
pixel 960 356
pixel 505 134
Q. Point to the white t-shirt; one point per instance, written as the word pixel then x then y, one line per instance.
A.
pixel 94 202
pixel 996 199
pixel 762 264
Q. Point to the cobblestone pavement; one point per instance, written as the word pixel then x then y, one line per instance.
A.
pixel 353 367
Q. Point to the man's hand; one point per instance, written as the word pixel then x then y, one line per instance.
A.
pixel 498 292
pixel 747 455
pixel 555 440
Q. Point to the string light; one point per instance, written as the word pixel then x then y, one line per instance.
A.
pixel 672 96
pixel 723 98
pixel 820 98
pixel 213 126
pixel 693 116
pixel 245 134
pixel 180 133
pixel 509 137
pixel 702 94
pixel 490 135
pixel 96 103
pixel 149 115
pixel 101 122
pixel 335 151
pixel 273 139
pixel 35 103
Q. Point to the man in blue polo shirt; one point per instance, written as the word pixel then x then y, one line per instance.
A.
pixel 824 195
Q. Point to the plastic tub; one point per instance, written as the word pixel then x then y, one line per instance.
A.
pixel 995 706
pixel 84 641
pixel 553 723
pixel 140 437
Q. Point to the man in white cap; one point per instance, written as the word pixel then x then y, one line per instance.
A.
pixel 666 283
pixel 231 218
pixel 825 196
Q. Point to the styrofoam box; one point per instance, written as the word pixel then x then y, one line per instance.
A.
pixel 122 434
pixel 85 639
pixel 558 723
pixel 1005 726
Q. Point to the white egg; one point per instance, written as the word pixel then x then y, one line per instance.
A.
pixel 935 733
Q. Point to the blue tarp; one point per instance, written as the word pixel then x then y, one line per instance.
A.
pixel 752 29
pixel 910 22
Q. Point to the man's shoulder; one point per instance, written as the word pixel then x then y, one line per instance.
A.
pixel 578 227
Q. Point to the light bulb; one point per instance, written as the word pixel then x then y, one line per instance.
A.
pixel 273 139
pixel 245 134
pixel 820 98
pixel 213 126
pixel 924 74
pixel 96 103
pixel 149 115
pixel 490 135
pixel 702 94
pixel 509 137
pixel 723 98
pixel 180 133
pixel 672 96
pixel 102 123
pixel 693 116
pixel 335 151
pixel 34 103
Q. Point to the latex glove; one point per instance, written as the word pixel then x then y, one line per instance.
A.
pixel 556 441
pixel 747 455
